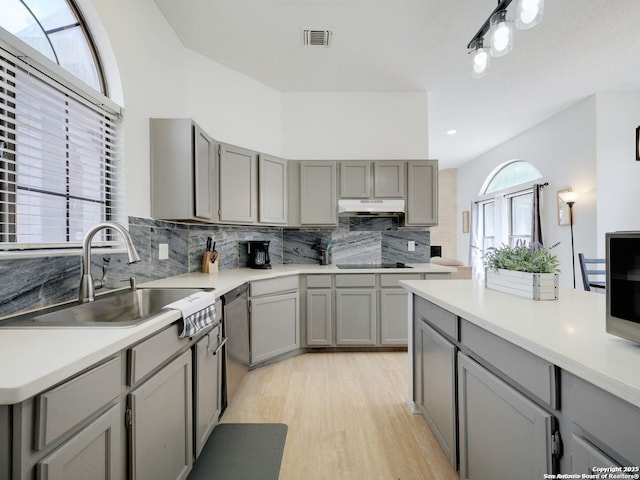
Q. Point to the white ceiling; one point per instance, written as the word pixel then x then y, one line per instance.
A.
pixel 580 48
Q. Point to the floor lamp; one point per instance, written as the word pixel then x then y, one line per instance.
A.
pixel 570 199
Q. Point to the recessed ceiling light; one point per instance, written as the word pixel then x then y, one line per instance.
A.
pixel 451 132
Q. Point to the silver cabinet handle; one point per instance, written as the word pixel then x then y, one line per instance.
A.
pixel 220 345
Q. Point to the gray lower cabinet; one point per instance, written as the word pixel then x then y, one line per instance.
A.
pixel 93 453
pixel 207 376
pixel 503 434
pixel 275 322
pixel 319 332
pixel 393 316
pixel 437 387
pixel 585 457
pixel 161 433
pixel 355 316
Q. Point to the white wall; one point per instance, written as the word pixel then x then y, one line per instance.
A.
pixel 337 126
pixel 618 171
pixel 563 148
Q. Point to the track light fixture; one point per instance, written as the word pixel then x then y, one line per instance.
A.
pixel 497 32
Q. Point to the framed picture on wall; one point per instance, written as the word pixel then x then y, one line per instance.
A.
pixel 563 208
pixel 465 221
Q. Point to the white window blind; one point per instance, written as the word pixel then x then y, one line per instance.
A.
pixel 60 167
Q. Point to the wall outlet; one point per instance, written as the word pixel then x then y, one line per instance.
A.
pixel 163 251
pixel 411 246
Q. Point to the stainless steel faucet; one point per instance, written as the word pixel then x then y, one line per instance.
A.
pixel 86 281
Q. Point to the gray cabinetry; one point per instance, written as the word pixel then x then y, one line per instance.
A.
pixel 94 452
pixel 319 310
pixel 183 171
pixel 273 185
pixel 318 196
pixel 207 376
pixel 394 309
pixel 161 433
pixel 356 317
pixel 238 185
pixel 275 318
pixel 422 193
pixel 503 434
pixel 585 457
pixel 377 179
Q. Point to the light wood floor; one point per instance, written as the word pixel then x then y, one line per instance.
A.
pixel 347 416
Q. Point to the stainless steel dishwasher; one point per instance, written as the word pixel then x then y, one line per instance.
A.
pixel 235 321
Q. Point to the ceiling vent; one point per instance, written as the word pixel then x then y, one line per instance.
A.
pixel 317 38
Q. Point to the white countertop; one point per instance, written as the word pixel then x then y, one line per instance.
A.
pixel 35 358
pixel 569 332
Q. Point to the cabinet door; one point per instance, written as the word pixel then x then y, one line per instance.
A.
pixel 274 326
pixel 161 432
pixel 388 179
pixel 238 185
pixel 393 316
pixel 584 457
pixel 355 316
pixel 355 179
pixel 207 388
pixel 319 316
pixel 272 173
pixel 318 198
pixel 438 375
pixel 93 453
pixel 422 193
pixel 503 434
pixel 205 175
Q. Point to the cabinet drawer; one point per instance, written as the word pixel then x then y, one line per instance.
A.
pixel 438 317
pixel 153 352
pixel 392 279
pixel 275 285
pixel 356 280
pixel 318 281
pixel 65 406
pixel 612 421
pixel 530 371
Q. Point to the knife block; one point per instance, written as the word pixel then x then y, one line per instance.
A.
pixel 210 262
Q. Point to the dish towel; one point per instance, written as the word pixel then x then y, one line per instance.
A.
pixel 198 311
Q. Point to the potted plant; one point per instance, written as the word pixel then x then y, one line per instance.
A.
pixel 524 270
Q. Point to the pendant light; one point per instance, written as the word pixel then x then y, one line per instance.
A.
pixel 479 60
pixel 500 34
pixel 528 13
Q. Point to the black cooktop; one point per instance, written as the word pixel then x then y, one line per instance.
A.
pixel 373 265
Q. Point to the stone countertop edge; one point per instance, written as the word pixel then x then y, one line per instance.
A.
pixel 35 359
pixel 568 332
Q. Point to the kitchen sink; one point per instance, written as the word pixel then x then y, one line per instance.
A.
pixel 119 309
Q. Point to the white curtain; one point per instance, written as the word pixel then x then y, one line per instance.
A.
pixel 475 243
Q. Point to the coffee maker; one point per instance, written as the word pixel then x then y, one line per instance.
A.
pixel 258 254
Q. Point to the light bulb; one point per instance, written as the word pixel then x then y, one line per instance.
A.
pixel 529 13
pixel 500 34
pixel 480 62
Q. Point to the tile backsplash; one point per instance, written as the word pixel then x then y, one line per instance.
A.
pixel 36 283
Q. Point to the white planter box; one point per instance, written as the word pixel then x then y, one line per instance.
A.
pixel 538 286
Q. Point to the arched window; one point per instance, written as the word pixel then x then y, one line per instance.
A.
pixel 60 148
pixel 505 208
pixel 54 28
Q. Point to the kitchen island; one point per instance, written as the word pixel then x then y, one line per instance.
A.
pixel 549 365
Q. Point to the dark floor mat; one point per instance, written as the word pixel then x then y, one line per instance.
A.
pixel 242 451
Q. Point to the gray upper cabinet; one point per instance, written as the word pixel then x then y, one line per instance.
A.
pixel 183 171
pixel 377 179
pixel 238 185
pixel 422 193
pixel 318 195
pixel 273 186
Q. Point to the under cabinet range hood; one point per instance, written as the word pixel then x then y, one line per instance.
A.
pixel 371 208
